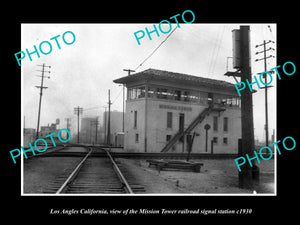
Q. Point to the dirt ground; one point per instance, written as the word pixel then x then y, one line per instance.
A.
pixel 217 176
pixel 40 172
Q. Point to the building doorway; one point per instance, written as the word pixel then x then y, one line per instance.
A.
pixel 181 125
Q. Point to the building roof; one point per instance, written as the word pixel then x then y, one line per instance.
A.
pixel 154 74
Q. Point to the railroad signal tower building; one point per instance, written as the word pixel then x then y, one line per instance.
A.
pixel 165 109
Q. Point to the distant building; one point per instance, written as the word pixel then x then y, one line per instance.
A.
pixel 29 136
pixel 166 110
pixel 45 130
pixel 88 131
pixel 116 121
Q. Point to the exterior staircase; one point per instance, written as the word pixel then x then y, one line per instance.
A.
pixel 195 122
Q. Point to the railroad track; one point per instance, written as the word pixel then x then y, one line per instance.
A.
pixel 143 155
pixel 95 175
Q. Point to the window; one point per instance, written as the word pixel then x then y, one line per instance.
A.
pixel 210 98
pixel 181 125
pixel 168 137
pixel 225 140
pixel 215 140
pixel 194 96
pixel 225 123
pixel 177 95
pixel 141 92
pixel 230 101
pixel 181 122
pixel 169 119
pixel 135 120
pixel 186 96
pixel 136 137
pixel 215 123
pixel 134 93
pixel 151 92
pixel 203 97
pixel 162 93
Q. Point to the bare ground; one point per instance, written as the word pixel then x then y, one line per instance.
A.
pixel 40 172
pixel 216 176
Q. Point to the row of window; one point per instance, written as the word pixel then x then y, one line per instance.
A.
pixel 181 95
pixel 168 138
pixel 181 121
pixel 170 125
pixel 215 139
pixel 225 140
pixel 215 122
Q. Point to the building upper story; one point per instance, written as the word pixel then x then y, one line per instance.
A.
pixel 178 87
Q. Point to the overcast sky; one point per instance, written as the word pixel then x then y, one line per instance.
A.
pixel 82 73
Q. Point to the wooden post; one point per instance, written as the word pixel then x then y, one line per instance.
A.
pixel 247 146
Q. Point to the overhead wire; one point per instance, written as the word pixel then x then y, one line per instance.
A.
pixel 91 108
pixel 155 49
pixel 213 52
pixel 214 39
pixel 218 44
pixel 204 37
pixel 117 96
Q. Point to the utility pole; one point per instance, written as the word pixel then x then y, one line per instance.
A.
pixel 242 63
pixel 108 122
pixel 266 86
pixel 129 71
pixel 123 124
pixel 41 94
pixel 78 111
pixel 96 122
pixel 247 173
pixel 68 123
pixel 105 137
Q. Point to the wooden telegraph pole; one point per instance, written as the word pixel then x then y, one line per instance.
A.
pixel 78 110
pixel 266 86
pixel 241 57
pixel 108 120
pixel 247 172
pixel 41 94
pixel 95 123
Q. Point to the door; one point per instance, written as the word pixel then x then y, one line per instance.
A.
pixel 181 125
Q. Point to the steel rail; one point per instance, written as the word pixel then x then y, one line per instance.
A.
pixel 119 173
pixel 73 174
pixel 45 153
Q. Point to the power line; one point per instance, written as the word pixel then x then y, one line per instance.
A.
pixel 92 108
pixel 155 49
pixel 217 48
pixel 266 90
pixel 203 37
pixel 117 96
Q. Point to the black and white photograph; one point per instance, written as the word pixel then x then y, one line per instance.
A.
pixel 149 109
pixel 132 112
